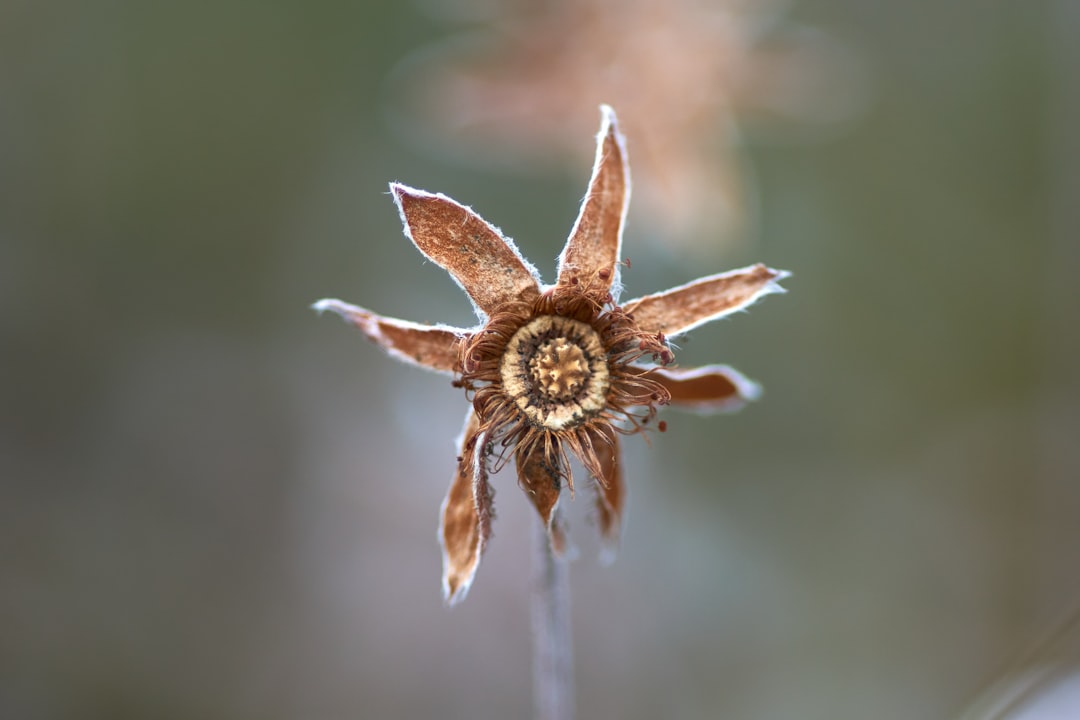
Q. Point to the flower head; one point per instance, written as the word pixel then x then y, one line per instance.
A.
pixel 553 371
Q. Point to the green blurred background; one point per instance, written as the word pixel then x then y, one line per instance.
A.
pixel 216 505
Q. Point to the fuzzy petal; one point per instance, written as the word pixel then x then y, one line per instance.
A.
pixel 431 347
pixel 465 521
pixel 610 490
pixel 538 474
pixel 592 251
pixel 712 388
pixel 485 264
pixel 683 308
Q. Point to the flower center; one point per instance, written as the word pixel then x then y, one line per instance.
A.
pixel 559 369
pixel 555 370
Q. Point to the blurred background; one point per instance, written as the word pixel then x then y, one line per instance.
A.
pixel 215 504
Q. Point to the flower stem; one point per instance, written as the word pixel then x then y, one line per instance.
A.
pixel 553 665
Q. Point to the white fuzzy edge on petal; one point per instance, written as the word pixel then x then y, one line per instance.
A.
pixel 608 124
pixel 748 390
pixel 555 524
pixel 398 189
pixel 609 546
pixel 478 465
pixel 771 287
pixel 358 315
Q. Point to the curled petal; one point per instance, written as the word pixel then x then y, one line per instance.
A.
pixel 592 250
pixel 683 308
pixel 465 522
pixel 485 264
pixel 539 476
pixel 610 490
pixel 712 388
pixel 431 347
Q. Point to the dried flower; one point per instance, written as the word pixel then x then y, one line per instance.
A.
pixel 553 370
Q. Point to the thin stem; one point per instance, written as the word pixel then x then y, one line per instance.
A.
pixel 553 664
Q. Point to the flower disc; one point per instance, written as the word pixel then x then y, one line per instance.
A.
pixel 556 372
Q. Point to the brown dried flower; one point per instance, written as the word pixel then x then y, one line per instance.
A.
pixel 554 370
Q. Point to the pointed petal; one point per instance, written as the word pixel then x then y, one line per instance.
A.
pixel 465 521
pixel 683 308
pixel 538 474
pixel 431 347
pixel 712 388
pixel 610 490
pixel 485 264
pixel 592 251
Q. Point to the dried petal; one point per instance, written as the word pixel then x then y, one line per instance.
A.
pixel 431 347
pixel 683 308
pixel 592 250
pixel 610 490
pixel 465 523
pixel 712 388
pixel 538 474
pixel 485 264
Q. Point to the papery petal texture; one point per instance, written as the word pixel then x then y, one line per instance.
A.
pixel 486 265
pixel 610 490
pixel 592 250
pixel 465 520
pixel 539 477
pixel 431 347
pixel 712 388
pixel 683 308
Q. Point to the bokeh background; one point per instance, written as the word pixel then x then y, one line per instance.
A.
pixel 214 504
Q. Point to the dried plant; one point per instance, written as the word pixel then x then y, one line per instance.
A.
pixel 559 370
